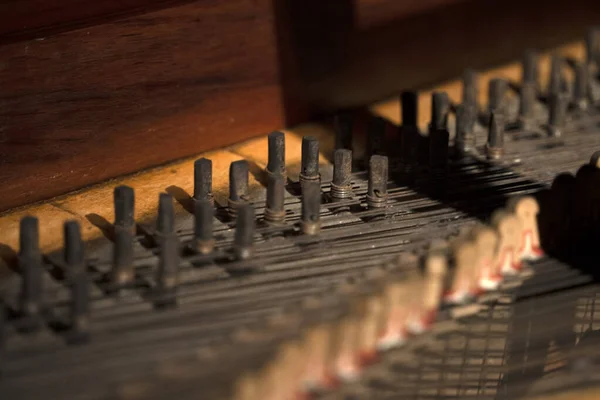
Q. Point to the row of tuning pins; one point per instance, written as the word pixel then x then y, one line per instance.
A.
pixel 124 234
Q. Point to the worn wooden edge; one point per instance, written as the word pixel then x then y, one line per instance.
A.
pixel 96 202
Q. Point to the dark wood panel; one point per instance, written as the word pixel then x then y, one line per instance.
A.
pixel 90 104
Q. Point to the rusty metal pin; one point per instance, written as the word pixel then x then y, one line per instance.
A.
pixel 165 291
pixel 465 136
pixel 203 226
pixel 78 282
pixel 496 92
pixel 203 180
pixel 124 202
pixel 556 79
pixel 343 126
pixel 238 185
pixel 530 68
pixel 375 137
pixel 310 159
pixel 30 264
pixel 580 87
pixel 243 244
pixel 377 194
pixel 341 185
pixel 470 95
pixel 495 142
pixel 558 103
pixel 165 222
pixel 440 107
pixel 311 208
pixel 527 101
pixel 274 210
pixel 122 269
pixel 276 160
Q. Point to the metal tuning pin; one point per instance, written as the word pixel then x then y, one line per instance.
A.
pixel 375 137
pixel 79 283
pixel 377 194
pixel 124 203
pixel 311 208
pixel 470 94
pixel 203 180
pixel 276 161
pixel 274 210
pixel 440 107
pixel 495 142
pixel 204 242
pixel 238 186
pixel 168 260
pixel 496 93
pixel 580 87
pixel 341 185
pixel 32 270
pixel 527 102
pixel 556 80
pixel 465 141
pixel 592 46
pixel 122 272
pixel 343 126
pixel 558 103
pixel 409 133
pixel 243 244
pixel 310 159
pixel 530 68
pixel 438 155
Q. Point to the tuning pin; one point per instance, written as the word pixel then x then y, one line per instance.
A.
pixel 495 142
pixel 204 212
pixel 238 186
pixel 274 210
pixel 276 162
pixel 470 96
pixel 375 137
pixel 343 126
pixel 378 176
pixel 556 80
pixel 310 159
pixel 496 93
pixel 203 180
pixel 464 142
pixel 438 156
pixel 243 244
pixel 341 185
pixel 73 252
pixel 124 200
pixel 530 68
pixel 592 46
pixel 580 87
pixel 30 265
pixel 526 208
pixel 409 133
pixel 427 303
pixel 464 282
pixel 527 101
pixel 509 231
pixel 168 260
pixel 440 106
pixel 79 284
pixel 122 270
pixel 311 208
pixel 557 114
pixel 486 240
